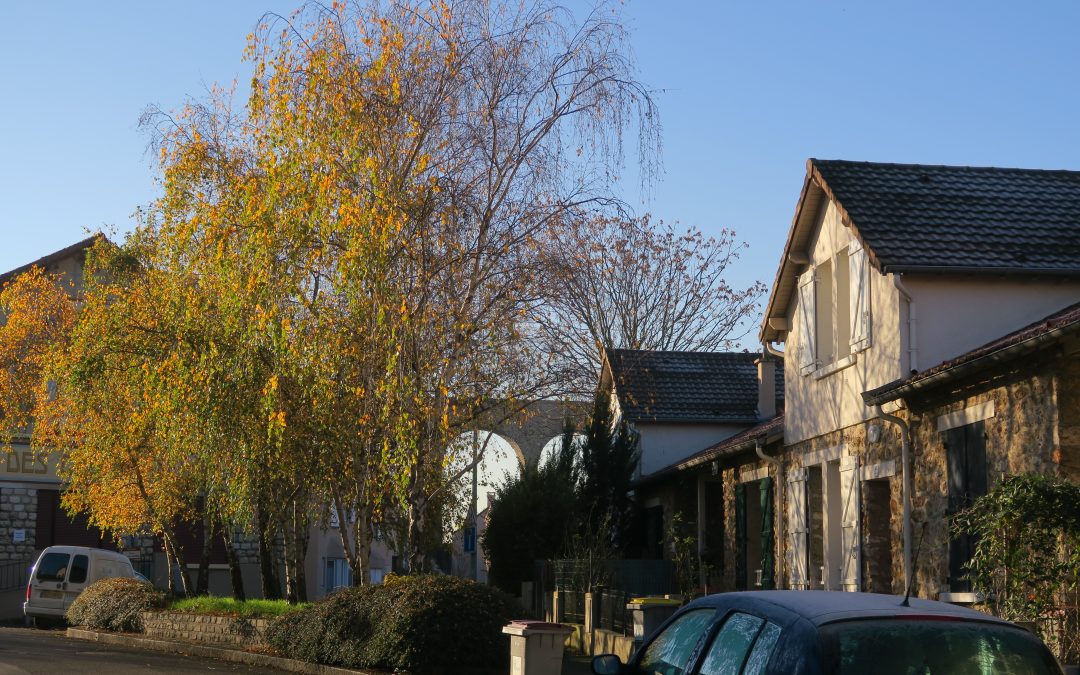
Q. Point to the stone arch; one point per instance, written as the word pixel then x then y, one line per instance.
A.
pixel 530 429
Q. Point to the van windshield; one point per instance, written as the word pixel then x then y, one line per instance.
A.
pixel 53 567
pixel 928 646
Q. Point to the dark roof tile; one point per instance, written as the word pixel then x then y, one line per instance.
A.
pixel 918 216
pixel 665 386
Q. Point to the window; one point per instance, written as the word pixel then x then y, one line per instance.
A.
pixel 337 575
pixel 669 653
pixel 53 567
pixel 79 566
pixel 965 451
pixel 909 646
pixel 731 645
pixel 834 310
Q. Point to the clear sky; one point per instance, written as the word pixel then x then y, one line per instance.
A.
pixel 747 91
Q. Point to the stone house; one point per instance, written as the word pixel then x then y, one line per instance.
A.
pixel 892 276
pixel 680 407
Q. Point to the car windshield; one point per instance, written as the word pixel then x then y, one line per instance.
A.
pixel 927 647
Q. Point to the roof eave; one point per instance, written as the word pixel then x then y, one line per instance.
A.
pixel 996 271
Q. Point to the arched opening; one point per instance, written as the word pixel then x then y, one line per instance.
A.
pixel 501 458
pixel 555 444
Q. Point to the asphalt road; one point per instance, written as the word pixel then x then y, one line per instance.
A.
pixel 25 650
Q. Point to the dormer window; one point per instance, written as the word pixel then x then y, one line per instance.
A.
pixel 834 311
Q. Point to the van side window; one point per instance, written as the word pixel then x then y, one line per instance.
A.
pixel 79 567
pixel 53 567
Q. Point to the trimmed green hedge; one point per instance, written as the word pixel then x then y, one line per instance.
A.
pixel 417 624
pixel 114 604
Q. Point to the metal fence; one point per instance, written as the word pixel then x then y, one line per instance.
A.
pixel 572 606
pixel 14 574
pixel 613 614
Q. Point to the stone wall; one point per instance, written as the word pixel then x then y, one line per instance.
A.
pixel 18 511
pixel 218 631
pixel 1020 437
pixel 1024 434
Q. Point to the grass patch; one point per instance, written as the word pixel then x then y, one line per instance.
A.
pixel 249 609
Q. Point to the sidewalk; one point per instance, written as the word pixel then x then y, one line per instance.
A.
pixel 222 653
pixel 577 665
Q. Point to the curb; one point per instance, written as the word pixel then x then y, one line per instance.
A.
pixel 232 655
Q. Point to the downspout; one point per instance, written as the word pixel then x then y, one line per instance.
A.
pixel 778 513
pixel 912 323
pixel 905 452
pixel 772 350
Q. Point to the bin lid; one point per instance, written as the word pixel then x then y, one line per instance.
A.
pixel 530 626
pixel 655 602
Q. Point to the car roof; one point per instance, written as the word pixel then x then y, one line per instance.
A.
pixel 822 607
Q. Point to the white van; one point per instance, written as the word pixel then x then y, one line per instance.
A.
pixel 62 572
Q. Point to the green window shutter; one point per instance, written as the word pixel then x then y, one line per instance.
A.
pixel 740 537
pixel 768 548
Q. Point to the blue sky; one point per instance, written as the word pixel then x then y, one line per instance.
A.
pixel 747 91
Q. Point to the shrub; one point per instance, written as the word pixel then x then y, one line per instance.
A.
pixel 114 604
pixel 419 624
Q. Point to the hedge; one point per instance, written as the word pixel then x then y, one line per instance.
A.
pixel 114 604
pixel 416 624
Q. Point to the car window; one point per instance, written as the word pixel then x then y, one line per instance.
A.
pixel 763 647
pixel 669 653
pixel 79 567
pixel 730 646
pixel 53 567
pixel 927 647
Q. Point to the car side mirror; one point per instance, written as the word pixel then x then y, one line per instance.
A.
pixel 606 664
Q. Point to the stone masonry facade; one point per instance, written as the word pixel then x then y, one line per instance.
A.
pixel 18 511
pixel 1032 415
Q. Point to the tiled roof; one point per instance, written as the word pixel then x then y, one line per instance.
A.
pixel 661 386
pixel 918 216
pixel 1008 347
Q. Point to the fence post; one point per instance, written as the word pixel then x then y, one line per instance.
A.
pixel 556 608
pixel 592 602
pixel 527 596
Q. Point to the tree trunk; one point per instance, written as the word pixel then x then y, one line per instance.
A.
pixel 170 582
pixel 268 569
pixel 289 537
pixel 202 583
pixel 235 575
pixel 301 535
pixel 415 553
pixel 173 552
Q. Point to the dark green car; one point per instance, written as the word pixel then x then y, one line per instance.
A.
pixel 819 632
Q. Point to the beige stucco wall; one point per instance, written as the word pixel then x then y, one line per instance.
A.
pixel 956 315
pixel 662 445
pixel 813 405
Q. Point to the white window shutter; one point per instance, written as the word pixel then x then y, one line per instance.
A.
pixel 851 563
pixel 798 550
pixel 807 324
pixel 859 298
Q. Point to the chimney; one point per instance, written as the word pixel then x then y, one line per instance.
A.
pixel 766 375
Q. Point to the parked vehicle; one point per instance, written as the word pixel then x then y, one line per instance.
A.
pixel 823 632
pixel 62 572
